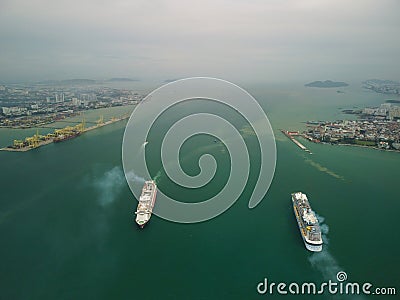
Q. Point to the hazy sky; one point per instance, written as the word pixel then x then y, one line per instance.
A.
pixel 231 39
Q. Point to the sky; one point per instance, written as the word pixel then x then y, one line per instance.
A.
pixel 259 40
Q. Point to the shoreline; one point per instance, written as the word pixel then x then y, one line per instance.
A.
pixel 354 145
pixel 51 140
pixel 362 146
pixel 303 136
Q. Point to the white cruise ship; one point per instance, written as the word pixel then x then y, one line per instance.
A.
pixel 146 203
pixel 307 221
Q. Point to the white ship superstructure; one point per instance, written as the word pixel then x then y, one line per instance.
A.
pixel 307 221
pixel 146 203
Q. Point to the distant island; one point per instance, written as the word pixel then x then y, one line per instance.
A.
pixel 326 84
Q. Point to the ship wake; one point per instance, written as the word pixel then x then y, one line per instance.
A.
pixel 133 177
pixel 324 262
pixel 157 177
pixel 110 184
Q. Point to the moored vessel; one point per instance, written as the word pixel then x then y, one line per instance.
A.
pixel 65 137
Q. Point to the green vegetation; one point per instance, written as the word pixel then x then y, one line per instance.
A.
pixel 365 143
pixel 326 84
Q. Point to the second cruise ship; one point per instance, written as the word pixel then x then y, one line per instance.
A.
pixel 307 221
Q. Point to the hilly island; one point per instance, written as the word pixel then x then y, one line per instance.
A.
pixel 326 84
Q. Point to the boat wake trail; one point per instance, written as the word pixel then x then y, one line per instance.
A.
pixel 109 185
pixel 157 177
pixel 132 177
pixel 325 262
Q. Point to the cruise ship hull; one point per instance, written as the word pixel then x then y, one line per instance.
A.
pixel 146 203
pixel 309 246
pixel 314 246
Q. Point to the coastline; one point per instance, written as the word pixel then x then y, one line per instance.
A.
pixel 49 141
pixel 355 145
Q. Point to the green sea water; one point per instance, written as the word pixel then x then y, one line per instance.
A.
pixel 67 229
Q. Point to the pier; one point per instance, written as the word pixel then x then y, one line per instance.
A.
pixel 37 140
pixel 291 135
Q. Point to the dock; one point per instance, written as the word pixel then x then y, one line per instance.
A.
pixel 291 135
pixel 38 141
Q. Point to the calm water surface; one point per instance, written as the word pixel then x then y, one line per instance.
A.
pixel 67 229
